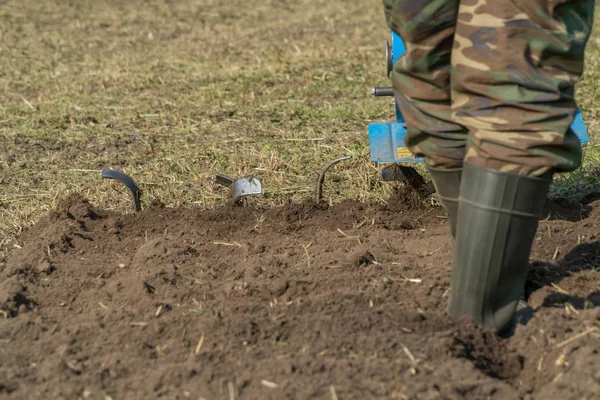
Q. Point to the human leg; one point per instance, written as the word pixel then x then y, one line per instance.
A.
pixel 421 80
pixel 514 67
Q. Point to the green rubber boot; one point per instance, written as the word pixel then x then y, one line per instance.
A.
pixel 498 215
pixel 447 186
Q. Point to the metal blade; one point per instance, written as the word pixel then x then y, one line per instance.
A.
pixel 245 187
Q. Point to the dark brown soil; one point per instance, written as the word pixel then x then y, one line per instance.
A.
pixel 296 302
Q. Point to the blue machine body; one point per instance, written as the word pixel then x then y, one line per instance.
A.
pixel 386 139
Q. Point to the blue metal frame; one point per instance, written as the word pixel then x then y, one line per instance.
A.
pixel 386 139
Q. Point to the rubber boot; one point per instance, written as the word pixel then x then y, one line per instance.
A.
pixel 498 215
pixel 447 186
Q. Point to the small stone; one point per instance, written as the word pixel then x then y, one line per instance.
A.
pixel 45 267
pixel 252 272
pixel 362 258
pixel 279 287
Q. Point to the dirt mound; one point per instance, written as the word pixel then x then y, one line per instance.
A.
pixel 294 302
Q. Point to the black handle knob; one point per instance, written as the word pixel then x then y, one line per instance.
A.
pixel 382 91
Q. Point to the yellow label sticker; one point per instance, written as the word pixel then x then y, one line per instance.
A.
pixel 403 152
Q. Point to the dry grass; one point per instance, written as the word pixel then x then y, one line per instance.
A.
pixel 174 92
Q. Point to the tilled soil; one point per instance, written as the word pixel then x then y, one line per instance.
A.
pixel 295 302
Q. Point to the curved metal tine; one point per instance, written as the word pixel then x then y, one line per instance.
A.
pixel 127 181
pixel 225 180
pixel 245 187
pixel 412 177
pixel 391 173
pixel 319 196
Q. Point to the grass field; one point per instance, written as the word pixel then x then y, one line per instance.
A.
pixel 173 92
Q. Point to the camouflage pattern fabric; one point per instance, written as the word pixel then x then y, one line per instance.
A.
pixel 491 82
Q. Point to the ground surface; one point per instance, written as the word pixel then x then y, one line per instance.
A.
pixel 281 299
pixel 291 302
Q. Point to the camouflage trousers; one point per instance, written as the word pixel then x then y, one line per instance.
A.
pixel 491 82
